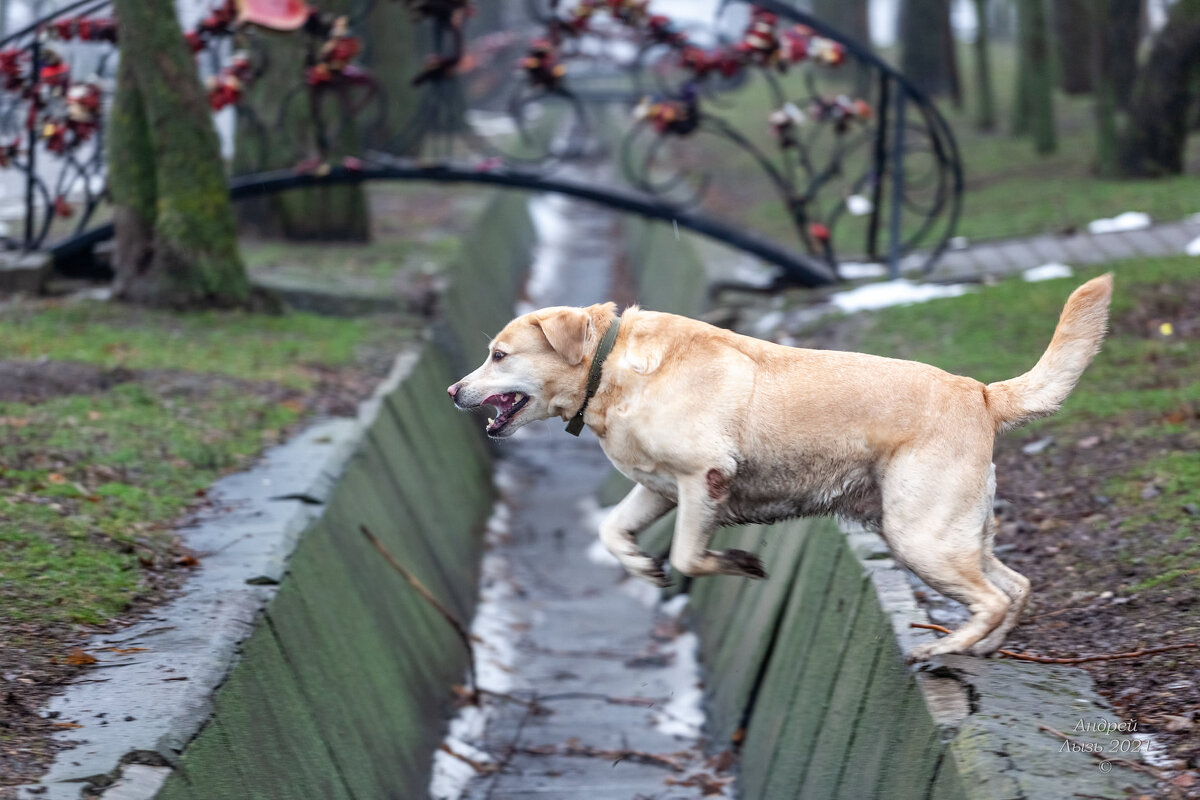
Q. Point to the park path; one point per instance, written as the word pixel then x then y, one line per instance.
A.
pixel 612 672
pixel 1078 249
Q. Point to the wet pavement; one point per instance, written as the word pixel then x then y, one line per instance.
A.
pixel 603 688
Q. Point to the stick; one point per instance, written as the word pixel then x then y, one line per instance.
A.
pixel 437 605
pixel 1145 651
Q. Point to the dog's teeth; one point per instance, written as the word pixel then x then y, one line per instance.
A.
pixel 491 420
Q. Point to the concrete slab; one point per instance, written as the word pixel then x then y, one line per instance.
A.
pixel 24 273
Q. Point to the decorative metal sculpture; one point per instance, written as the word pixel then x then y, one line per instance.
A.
pixel 838 137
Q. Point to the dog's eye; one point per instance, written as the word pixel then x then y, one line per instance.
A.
pixel 498 355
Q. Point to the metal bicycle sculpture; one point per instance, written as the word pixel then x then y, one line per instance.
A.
pixel 767 118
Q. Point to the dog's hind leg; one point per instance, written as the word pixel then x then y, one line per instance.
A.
pixel 1012 583
pixel 620 528
pixel 935 526
pixel 695 525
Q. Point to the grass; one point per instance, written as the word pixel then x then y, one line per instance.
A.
pixel 93 483
pixel 100 481
pixel 999 333
pixel 239 345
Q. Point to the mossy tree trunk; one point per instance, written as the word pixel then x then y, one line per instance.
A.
pixel 1164 98
pixel 985 95
pixel 176 240
pixel 281 99
pixel 1033 112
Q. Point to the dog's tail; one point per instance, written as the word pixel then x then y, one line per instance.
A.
pixel 1040 392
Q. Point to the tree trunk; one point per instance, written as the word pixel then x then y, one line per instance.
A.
pixel 1123 38
pixel 849 17
pixel 1073 39
pixel 985 101
pixel 927 47
pixel 1036 95
pixel 1104 92
pixel 177 245
pixel 1164 97
pixel 281 101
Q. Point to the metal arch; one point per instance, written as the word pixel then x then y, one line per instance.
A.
pixel 799 269
pixel 812 172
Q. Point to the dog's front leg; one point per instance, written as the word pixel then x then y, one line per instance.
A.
pixel 699 499
pixel 620 528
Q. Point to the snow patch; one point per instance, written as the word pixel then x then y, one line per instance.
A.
pixel 854 270
pixel 597 553
pixel 767 323
pixel 675 606
pixel 1129 221
pixel 1047 272
pixel 892 293
pixel 1193 247
pixel 644 592
pixel 858 205
pixel 494 647
pixel 683 714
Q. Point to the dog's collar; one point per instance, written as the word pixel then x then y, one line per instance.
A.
pixel 575 426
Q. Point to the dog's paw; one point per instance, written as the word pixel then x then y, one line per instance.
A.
pixel 741 562
pixel 922 652
pixel 655 573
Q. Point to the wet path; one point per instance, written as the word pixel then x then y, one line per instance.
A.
pixel 612 673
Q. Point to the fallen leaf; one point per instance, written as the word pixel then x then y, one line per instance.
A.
pixel 14 422
pixel 55 477
pixel 124 650
pixel 295 406
pixel 95 415
pixel 78 658
pixel 67 725
pixel 188 560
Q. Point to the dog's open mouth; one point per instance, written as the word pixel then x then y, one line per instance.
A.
pixel 508 405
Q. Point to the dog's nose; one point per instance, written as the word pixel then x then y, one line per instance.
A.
pixel 452 390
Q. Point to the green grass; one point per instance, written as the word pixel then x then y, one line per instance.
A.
pixel 100 480
pixel 240 345
pixel 91 485
pixel 1000 332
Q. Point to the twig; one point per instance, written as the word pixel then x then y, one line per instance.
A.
pixel 427 595
pixel 1124 762
pixel 1039 659
pixel 480 767
pixel 574 748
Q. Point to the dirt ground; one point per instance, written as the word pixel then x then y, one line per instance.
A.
pixel 1060 529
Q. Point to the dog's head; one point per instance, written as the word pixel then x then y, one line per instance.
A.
pixel 536 368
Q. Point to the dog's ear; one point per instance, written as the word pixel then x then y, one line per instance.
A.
pixel 568 330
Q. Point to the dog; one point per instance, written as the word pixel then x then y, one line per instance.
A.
pixel 731 429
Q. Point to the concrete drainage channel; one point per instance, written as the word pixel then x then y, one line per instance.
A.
pixel 340 678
